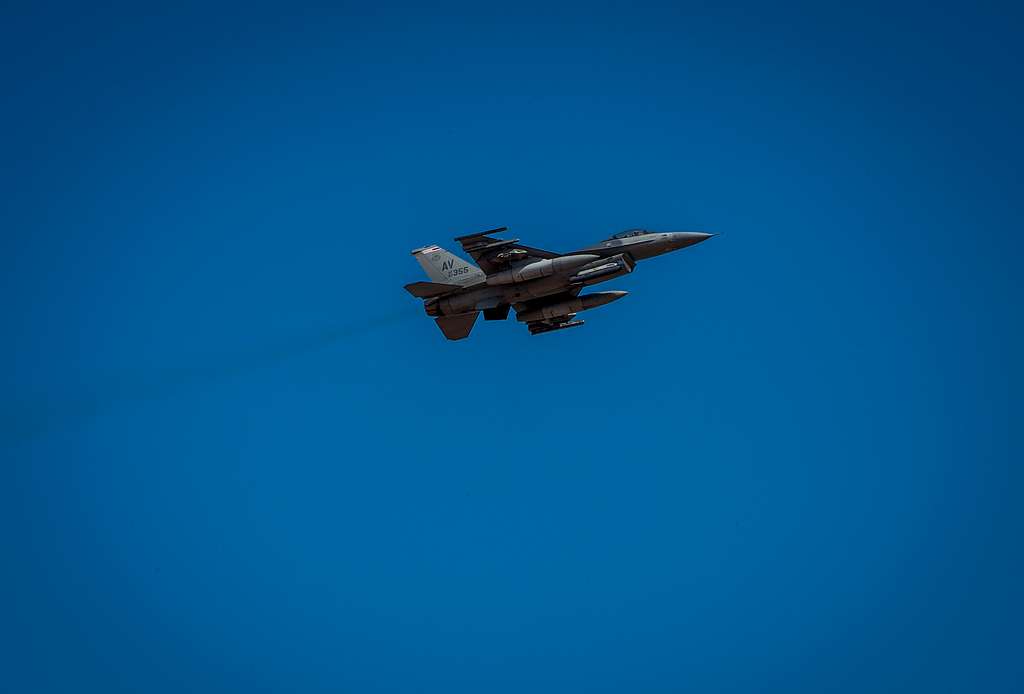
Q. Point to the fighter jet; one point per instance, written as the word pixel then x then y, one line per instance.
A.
pixel 543 287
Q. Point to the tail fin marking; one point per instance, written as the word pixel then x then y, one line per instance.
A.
pixel 443 267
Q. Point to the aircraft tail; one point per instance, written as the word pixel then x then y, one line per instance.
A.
pixel 443 267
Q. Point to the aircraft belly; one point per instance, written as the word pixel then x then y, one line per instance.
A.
pixel 470 300
pixel 536 289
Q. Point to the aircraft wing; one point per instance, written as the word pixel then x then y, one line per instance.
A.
pixel 492 254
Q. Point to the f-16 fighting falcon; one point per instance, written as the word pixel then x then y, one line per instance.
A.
pixel 543 287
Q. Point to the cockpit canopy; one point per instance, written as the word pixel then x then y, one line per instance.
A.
pixel 630 232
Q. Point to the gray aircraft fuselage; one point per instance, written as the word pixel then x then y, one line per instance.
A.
pixel 647 244
pixel 638 247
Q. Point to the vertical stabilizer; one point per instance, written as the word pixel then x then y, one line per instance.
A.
pixel 447 268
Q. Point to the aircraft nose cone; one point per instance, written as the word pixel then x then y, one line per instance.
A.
pixel 682 239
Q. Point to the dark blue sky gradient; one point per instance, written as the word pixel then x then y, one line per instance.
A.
pixel 239 458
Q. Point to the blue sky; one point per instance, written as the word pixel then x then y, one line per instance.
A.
pixel 239 458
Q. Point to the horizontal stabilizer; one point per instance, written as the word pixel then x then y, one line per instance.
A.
pixel 425 290
pixel 458 326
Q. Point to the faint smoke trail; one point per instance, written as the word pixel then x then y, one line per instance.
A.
pixel 21 422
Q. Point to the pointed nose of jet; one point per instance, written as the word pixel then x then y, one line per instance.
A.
pixel 682 239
